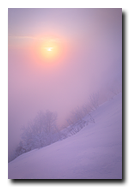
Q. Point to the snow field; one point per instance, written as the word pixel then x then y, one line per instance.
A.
pixel 95 152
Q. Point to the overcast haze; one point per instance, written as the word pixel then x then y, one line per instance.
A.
pixel 88 60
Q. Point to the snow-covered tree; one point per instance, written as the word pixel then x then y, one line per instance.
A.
pixel 40 132
pixel 94 101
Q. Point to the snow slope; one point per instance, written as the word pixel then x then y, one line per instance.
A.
pixel 95 152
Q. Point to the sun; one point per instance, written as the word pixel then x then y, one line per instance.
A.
pixel 49 51
pixel 49 48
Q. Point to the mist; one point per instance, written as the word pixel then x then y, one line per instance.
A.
pixel 89 61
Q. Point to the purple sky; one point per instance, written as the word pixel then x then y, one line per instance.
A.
pixel 89 58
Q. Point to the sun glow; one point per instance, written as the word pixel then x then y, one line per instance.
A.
pixel 50 50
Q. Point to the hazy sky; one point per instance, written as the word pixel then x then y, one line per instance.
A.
pixel 86 55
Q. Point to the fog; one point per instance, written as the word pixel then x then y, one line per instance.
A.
pixel 89 61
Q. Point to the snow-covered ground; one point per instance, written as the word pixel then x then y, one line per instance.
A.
pixel 95 152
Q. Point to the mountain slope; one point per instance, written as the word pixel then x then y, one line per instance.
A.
pixel 93 153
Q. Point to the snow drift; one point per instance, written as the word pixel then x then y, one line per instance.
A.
pixel 95 152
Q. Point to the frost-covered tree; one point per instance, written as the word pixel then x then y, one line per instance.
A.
pixel 94 101
pixel 50 127
pixel 40 132
pixel 78 114
pixel 20 149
